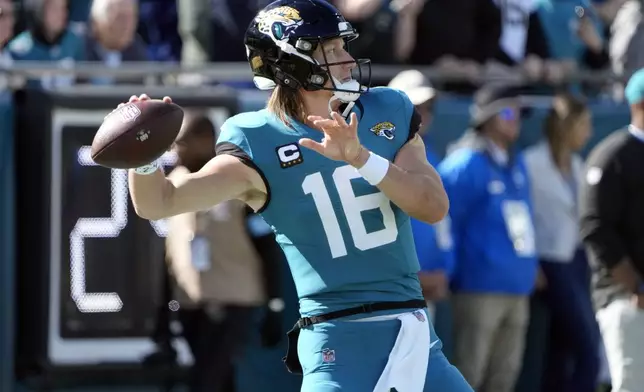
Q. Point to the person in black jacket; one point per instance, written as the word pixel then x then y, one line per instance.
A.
pixel 612 228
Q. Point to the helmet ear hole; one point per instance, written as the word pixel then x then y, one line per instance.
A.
pixel 317 80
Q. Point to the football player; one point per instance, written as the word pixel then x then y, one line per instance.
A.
pixel 337 170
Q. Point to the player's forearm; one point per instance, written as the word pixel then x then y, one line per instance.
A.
pixel 419 193
pixel 156 197
pixel 149 193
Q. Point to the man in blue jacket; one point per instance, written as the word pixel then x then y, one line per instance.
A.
pixel 491 220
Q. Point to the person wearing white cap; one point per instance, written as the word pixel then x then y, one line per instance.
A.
pixel 433 242
pixel 420 92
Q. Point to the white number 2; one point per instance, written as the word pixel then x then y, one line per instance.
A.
pixel 101 228
pixel 352 206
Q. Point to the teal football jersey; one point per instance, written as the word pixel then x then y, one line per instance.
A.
pixel 345 242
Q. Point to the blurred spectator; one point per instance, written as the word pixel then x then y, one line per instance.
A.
pixel 217 270
pixel 112 38
pixel 523 42
pixel 195 27
pixel 607 9
pixel 387 28
pixel 158 26
pixel 458 36
pixel 575 33
pixel 263 237
pixel 612 227
pixel 555 171
pixel 48 39
pixel 213 30
pixel 230 18
pixel 79 10
pixel 7 22
pixel 627 37
pixel 453 30
pixel 434 246
pixel 496 264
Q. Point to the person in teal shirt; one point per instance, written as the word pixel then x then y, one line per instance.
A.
pixel 48 38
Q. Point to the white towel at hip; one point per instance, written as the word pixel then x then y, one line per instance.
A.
pixel 406 368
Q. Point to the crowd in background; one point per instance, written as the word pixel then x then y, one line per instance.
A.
pixel 467 275
pixel 548 39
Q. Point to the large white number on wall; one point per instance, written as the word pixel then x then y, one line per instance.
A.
pixel 352 206
pixel 102 228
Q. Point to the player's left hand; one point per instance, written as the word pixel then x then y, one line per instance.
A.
pixel 340 141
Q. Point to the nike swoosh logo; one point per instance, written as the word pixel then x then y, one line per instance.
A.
pixel 432 344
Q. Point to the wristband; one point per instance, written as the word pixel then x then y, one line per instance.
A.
pixel 375 169
pixel 148 169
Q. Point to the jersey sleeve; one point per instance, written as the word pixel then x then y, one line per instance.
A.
pixel 233 141
pixel 412 114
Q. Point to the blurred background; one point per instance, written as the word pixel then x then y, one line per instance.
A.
pixel 94 298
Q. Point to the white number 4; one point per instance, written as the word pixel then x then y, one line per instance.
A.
pixel 352 206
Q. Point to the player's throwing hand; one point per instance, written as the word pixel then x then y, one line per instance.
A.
pixel 340 141
pixel 143 97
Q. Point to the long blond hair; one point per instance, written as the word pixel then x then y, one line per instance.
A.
pixel 287 104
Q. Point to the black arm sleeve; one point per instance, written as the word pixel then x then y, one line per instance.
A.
pixel 227 148
pixel 414 125
pixel 601 208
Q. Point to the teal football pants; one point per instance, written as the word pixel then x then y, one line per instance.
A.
pixel 350 356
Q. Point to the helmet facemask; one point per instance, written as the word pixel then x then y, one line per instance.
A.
pixel 292 65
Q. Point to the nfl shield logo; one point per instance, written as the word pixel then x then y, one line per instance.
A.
pixel 129 113
pixel 420 315
pixel 328 355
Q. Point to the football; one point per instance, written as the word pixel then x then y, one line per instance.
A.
pixel 136 134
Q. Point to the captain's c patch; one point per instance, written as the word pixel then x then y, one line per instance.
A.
pixel 289 155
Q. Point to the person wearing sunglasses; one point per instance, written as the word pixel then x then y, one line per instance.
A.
pixel 493 232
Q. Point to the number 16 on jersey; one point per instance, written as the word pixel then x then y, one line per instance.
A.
pixel 352 206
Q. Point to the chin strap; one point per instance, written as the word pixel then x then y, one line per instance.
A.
pixel 346 111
